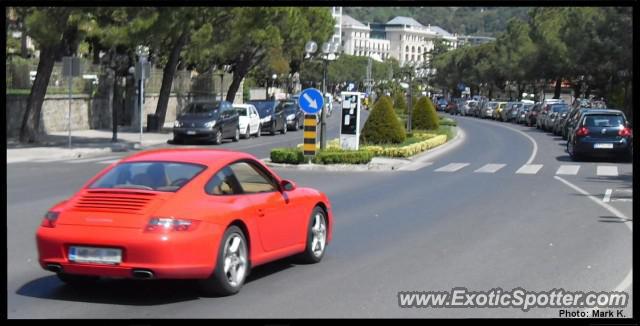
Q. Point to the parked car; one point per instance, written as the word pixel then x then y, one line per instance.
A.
pixel 249 120
pixel 522 113
pixel 532 115
pixel 601 133
pixel 441 104
pixel 511 112
pixel 488 110
pixel 469 106
pixel 542 116
pixel 293 114
pixel 561 117
pixel 202 214
pixel 498 111
pixel 272 118
pixel 452 108
pixel 553 113
pixel 571 120
pixel 207 121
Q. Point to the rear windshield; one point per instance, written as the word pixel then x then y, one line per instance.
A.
pixel 264 107
pixel 493 105
pixel 559 108
pixel 159 176
pixel 201 107
pixel 602 120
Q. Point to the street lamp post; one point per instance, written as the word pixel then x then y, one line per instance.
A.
pixel 222 70
pixel 143 53
pixel 329 53
pixel 410 108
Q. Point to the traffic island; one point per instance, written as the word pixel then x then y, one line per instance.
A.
pixel 368 157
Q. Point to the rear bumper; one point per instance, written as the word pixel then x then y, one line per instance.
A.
pixel 586 146
pixel 173 255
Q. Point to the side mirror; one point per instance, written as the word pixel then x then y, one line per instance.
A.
pixel 287 185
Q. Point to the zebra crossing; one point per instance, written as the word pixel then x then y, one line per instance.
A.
pixel 527 169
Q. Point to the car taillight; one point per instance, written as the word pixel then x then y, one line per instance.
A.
pixel 50 219
pixel 582 131
pixel 626 132
pixel 161 224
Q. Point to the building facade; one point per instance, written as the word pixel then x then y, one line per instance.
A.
pixel 402 38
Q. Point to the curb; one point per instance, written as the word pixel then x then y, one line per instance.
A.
pixel 379 164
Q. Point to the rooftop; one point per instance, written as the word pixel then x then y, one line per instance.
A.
pixel 348 20
pixel 401 20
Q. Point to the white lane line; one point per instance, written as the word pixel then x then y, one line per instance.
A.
pixel 607 196
pixel 452 167
pixel 568 169
pixel 607 171
pixel 490 168
pixel 93 159
pixel 108 161
pixel 529 169
pixel 627 281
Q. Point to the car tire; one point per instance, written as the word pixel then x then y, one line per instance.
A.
pixel 284 128
pixel 259 133
pixel 296 126
pixel 247 133
pixel 217 140
pixel 316 236
pixel 273 128
pixel 77 280
pixel 236 137
pixel 572 153
pixel 224 283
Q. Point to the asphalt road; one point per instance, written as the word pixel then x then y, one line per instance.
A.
pixel 423 230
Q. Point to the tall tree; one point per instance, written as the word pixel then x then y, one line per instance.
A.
pixel 57 31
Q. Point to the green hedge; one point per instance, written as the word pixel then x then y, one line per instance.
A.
pixel 382 126
pixel 343 157
pixel 287 155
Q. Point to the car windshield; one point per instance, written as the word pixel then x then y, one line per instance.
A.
pixel 289 107
pixel 559 108
pixel 197 108
pixel 241 111
pixel 604 120
pixel 493 105
pixel 264 107
pixel 158 176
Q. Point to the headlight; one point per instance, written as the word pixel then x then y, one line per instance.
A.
pixel 291 117
pixel 177 124
pixel 266 119
pixel 210 124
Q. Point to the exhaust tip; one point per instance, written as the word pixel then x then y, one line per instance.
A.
pixel 56 268
pixel 143 274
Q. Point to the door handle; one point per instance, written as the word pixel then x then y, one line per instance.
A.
pixel 260 213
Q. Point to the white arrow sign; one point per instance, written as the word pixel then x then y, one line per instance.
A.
pixel 312 103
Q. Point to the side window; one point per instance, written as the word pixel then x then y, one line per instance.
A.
pixel 251 179
pixel 223 183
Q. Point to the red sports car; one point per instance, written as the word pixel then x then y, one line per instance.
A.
pixel 199 214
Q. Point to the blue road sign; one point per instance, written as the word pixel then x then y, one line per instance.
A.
pixel 311 101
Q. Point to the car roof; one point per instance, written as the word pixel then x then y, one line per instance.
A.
pixel 246 106
pixel 204 156
pixel 602 111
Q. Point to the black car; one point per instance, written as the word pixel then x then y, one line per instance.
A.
pixel 571 120
pixel 601 133
pixel 207 121
pixel 293 115
pixel 272 116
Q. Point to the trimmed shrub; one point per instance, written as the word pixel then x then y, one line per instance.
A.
pixel 424 115
pixel 409 150
pixel 382 126
pixel 400 103
pixel 287 155
pixel 345 157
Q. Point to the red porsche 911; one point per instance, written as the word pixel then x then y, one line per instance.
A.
pixel 199 214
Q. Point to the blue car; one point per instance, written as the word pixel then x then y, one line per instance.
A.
pixel 601 133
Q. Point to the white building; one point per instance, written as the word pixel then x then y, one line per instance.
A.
pixel 336 13
pixel 402 38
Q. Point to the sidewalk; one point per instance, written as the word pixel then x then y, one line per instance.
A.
pixel 84 143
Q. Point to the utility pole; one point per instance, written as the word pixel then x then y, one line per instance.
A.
pixel 323 122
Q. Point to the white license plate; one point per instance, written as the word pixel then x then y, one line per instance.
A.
pixel 95 255
pixel 603 145
pixel 191 132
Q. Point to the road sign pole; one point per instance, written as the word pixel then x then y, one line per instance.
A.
pixel 69 113
pixel 323 139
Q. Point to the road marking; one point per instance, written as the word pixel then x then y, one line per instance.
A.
pixel 92 159
pixel 607 171
pixel 568 169
pixel 627 281
pixel 529 169
pixel 490 168
pixel 607 196
pixel 108 161
pixel 415 166
pixel 452 167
